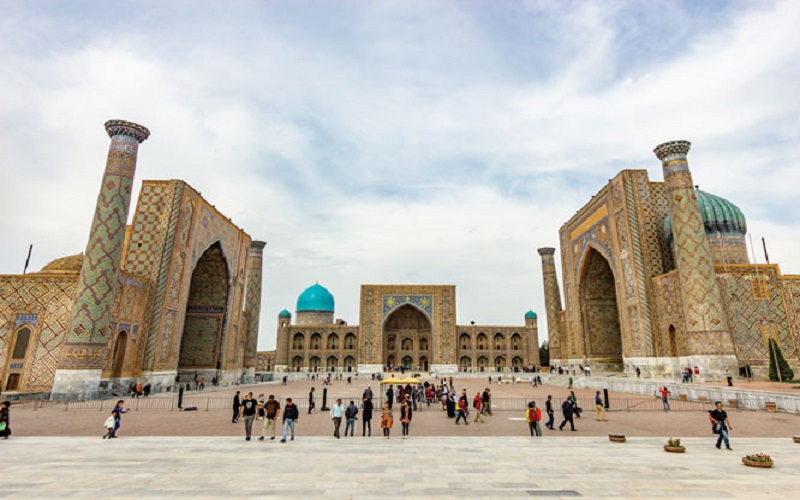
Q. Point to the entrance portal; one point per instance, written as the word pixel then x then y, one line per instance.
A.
pixel 203 330
pixel 413 327
pixel 598 298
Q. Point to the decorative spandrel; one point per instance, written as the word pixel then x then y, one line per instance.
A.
pixel 423 302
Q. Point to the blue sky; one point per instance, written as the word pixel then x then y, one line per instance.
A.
pixel 396 141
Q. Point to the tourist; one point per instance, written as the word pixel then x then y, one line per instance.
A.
pixel 551 414
pixel 386 419
pixel 487 403
pixel 5 419
pixel 462 410
pixel 477 403
pixel 350 414
pixel 111 422
pixel 120 409
pixel 576 409
pixel 272 408
pixel 147 389
pixel 568 410
pixel 132 389
pixel 367 393
pixel 202 384
pixel 405 417
pixel 366 417
pixel 638 372
pixel 236 406
pixel 390 396
pixel 533 415
pixel 599 409
pixel 451 405
pixel 570 383
pixel 720 425
pixel 311 404
pixel 248 411
pixel 729 377
pixel 337 411
pixel 664 392
pixel 290 417
pixel 139 390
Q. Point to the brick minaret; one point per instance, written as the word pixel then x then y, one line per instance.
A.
pixel 552 302
pixel 253 301
pixel 84 352
pixel 707 332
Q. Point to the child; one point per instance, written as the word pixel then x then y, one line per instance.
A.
pixel 111 422
pixel 386 420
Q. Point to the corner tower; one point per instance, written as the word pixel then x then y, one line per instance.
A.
pixel 552 301
pixel 708 337
pixel 84 352
pixel 255 263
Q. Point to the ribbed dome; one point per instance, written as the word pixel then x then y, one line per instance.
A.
pixel 719 216
pixel 530 315
pixel 315 298
pixel 284 314
pixel 71 264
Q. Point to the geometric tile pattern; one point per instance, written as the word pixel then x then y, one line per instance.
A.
pixel 599 310
pixel 552 300
pixel 253 301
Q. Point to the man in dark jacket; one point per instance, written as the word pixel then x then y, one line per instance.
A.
pixel 390 396
pixel 290 417
pixel 551 414
pixel 366 417
pixel 487 403
pixel 568 409
pixel 236 408
pixel 311 403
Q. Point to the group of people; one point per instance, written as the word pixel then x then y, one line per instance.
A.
pixel 248 408
pixel 113 422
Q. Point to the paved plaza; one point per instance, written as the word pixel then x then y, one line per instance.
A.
pixel 432 467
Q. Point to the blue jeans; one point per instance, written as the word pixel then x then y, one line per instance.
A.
pixel 350 424
pixel 287 424
pixel 723 436
pixel 551 421
pixel 666 403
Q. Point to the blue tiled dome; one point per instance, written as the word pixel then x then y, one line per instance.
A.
pixel 719 216
pixel 530 315
pixel 284 314
pixel 315 298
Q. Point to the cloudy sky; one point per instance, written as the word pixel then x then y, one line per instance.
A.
pixel 398 141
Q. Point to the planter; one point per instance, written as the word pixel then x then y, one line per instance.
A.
pixel 763 465
pixel 796 439
pixel 683 397
pixel 674 449
pixel 616 439
pixel 732 403
pixel 772 407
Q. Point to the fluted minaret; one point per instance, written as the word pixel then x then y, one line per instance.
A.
pixel 282 348
pixel 89 328
pixel 255 264
pixel 707 331
pixel 552 302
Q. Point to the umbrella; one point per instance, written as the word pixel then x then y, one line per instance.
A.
pixel 409 380
pixel 390 380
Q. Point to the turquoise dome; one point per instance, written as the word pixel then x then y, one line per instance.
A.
pixel 530 315
pixel 315 298
pixel 719 216
pixel 284 314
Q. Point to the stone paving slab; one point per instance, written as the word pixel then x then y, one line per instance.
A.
pixel 422 467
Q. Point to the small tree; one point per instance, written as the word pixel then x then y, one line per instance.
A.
pixel 544 354
pixel 776 362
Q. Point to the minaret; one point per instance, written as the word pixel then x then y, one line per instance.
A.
pixel 532 338
pixel 255 265
pixel 282 347
pixel 84 352
pixel 552 302
pixel 707 332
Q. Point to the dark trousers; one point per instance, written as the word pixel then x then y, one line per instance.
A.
pixel 366 425
pixel 551 420
pixel 337 422
pixel 567 419
pixel 248 425
pixel 311 406
pixel 235 416
pixel 462 414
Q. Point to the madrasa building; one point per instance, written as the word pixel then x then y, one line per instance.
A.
pixel 409 326
pixel 176 293
pixel 656 275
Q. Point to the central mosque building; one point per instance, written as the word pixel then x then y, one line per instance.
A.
pixel 410 326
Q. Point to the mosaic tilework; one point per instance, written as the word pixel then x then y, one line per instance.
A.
pixel 641 332
pixel 253 301
pixel 552 298
pixel 599 308
pixel 200 345
pixel 423 302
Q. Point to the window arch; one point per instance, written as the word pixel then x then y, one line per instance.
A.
pixel 298 341
pixel 21 343
pixel 316 341
pixel 466 363
pixel 482 341
pixel 333 341
pixel 314 363
pixel 390 344
pixel 297 363
pixel 350 341
pixel 517 362
pixel 332 362
pixel 516 342
pixel 499 342
pixel 499 363
pixel 423 344
pixel 483 362
pixel 407 344
pixel 465 341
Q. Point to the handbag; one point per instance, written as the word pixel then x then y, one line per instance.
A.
pixel 3 426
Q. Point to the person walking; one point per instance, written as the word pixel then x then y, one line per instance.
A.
pixel 664 392
pixel 5 419
pixel 337 411
pixel 477 403
pixel 551 414
pixel 390 396
pixel 462 410
pixel 111 422
pixel 350 414
pixel 248 411
pixel 406 413
pixel 568 410
pixel 729 377
pixel 366 417
pixel 599 409
pixel 311 403
pixel 236 408
pixel 386 419
pixel 119 408
pixel 272 408
pixel 532 416
pixel 290 417
pixel 720 425
pixel 147 388
pixel 487 401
